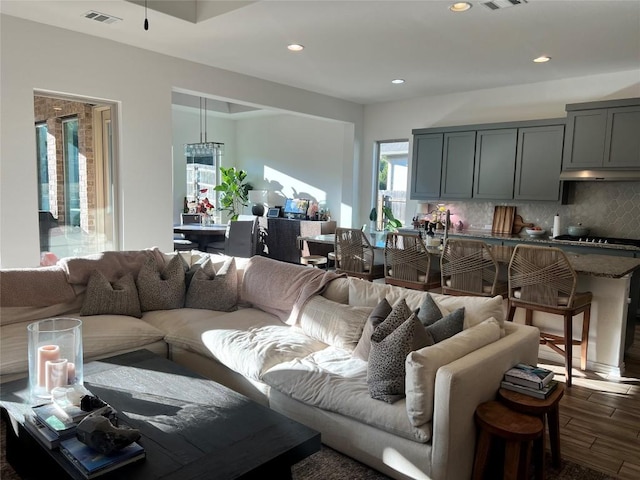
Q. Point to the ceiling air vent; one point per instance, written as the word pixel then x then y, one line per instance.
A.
pixel 101 17
pixel 499 4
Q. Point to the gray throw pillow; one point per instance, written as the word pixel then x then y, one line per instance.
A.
pixel 377 316
pixel 447 326
pixel 429 312
pixel 161 289
pixel 117 298
pixel 391 342
pixel 213 290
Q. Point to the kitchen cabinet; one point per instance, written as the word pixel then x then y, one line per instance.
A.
pixel 495 161
pixel 457 165
pixel 501 161
pixel 603 135
pixel 538 163
pixel 426 167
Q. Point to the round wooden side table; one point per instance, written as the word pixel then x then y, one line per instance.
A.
pixel 518 431
pixel 547 410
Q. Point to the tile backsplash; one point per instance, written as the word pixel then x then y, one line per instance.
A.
pixel 610 209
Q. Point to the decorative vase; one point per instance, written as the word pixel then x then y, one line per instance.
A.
pixel 257 210
pixel 55 355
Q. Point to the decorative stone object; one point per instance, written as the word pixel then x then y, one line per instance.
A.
pixel 100 434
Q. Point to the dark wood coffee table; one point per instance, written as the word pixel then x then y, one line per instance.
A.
pixel 191 427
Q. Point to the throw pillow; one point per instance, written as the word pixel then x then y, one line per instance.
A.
pixel 213 290
pixel 391 342
pixel 447 326
pixel 333 323
pixel 429 312
pixel 377 316
pixel 117 298
pixel 161 289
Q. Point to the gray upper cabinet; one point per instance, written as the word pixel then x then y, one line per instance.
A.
pixel 457 165
pixel 426 166
pixel 495 164
pixel 603 135
pixel 538 163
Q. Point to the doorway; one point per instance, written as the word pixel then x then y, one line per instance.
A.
pixel 75 150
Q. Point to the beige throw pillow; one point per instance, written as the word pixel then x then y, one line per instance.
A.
pixel 162 289
pixel 213 290
pixel 333 323
pixel 117 298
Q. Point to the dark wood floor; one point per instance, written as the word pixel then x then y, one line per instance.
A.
pixel 600 417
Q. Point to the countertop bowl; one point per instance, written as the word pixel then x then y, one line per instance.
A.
pixel 535 233
pixel 578 231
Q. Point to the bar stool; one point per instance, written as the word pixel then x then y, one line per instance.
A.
pixel 313 260
pixel 517 430
pixel 548 411
pixel 541 279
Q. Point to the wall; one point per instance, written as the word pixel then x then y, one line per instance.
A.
pixel 395 120
pixel 140 83
pixel 294 156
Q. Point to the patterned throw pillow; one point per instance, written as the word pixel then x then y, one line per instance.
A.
pixel 377 316
pixel 162 290
pixel 103 297
pixel 447 326
pixel 391 342
pixel 213 290
pixel 429 312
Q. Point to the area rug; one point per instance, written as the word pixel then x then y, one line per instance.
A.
pixel 328 464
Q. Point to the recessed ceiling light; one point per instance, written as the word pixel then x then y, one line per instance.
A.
pixel 460 7
pixel 542 59
pixel 294 47
pixel 397 81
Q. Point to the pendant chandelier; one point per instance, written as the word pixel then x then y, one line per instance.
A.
pixel 203 148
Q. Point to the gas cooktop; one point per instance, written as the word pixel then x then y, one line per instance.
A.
pixel 592 239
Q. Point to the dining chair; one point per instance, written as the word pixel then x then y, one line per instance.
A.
pixel 468 267
pixel 190 218
pixel 541 279
pixel 407 263
pixel 355 256
pixel 182 242
pixel 239 239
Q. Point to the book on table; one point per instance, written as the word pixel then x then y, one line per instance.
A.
pixel 541 393
pixel 529 376
pixel 91 463
pixel 62 422
pixel 43 434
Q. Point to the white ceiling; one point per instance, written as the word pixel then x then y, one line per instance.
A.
pixel 355 48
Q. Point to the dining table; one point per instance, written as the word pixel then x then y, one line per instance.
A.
pixel 201 234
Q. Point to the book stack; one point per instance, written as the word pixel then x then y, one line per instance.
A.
pixel 91 463
pixel 50 423
pixel 530 380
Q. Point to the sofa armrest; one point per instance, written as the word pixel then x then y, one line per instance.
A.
pixel 464 384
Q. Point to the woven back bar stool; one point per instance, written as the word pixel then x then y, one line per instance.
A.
pixel 355 256
pixel 541 279
pixel 468 267
pixel 407 262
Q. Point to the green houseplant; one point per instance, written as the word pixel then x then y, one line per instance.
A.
pixel 391 223
pixel 234 191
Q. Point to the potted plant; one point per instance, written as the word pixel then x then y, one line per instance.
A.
pixel 234 191
pixel 391 223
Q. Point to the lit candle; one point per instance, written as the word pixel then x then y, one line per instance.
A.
pixel 71 373
pixel 56 373
pixel 46 353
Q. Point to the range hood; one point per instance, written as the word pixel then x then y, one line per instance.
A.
pixel 600 175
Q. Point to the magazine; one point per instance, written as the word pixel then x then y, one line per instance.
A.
pixel 92 463
pixel 533 392
pixel 62 422
pixel 529 376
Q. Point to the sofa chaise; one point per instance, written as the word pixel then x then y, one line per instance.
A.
pixel 290 337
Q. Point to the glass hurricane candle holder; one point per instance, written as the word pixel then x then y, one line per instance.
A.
pixel 55 355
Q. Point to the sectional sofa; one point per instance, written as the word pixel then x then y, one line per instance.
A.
pixel 290 337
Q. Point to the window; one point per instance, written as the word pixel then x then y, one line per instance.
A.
pixel 392 160
pixel 43 166
pixel 203 164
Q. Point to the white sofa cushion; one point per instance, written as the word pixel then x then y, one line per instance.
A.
pixel 478 309
pixel 422 366
pixel 333 380
pixel 248 341
pixel 333 323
